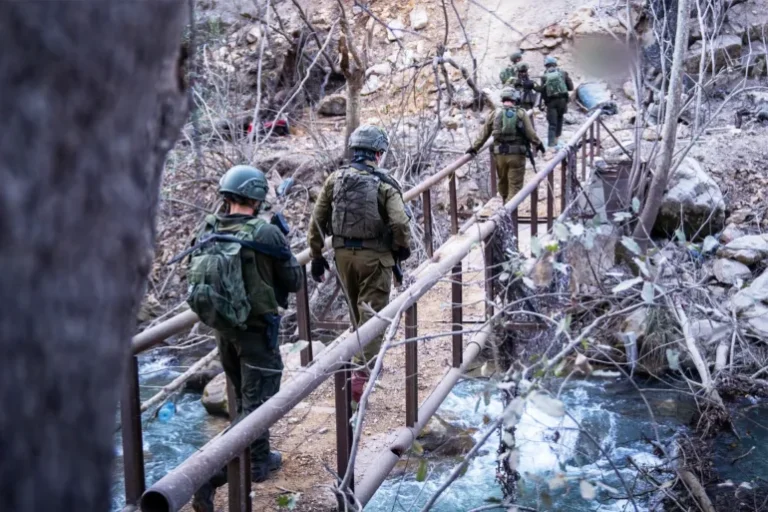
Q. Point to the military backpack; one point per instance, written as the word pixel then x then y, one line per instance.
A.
pixel 217 292
pixel 356 206
pixel 505 126
pixel 554 83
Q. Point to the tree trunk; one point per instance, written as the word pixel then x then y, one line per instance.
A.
pixel 653 201
pixel 92 99
pixel 355 84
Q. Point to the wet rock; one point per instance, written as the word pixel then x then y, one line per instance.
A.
pixel 694 193
pixel 730 271
pixel 215 396
pixel 200 380
pixel 727 51
pixel 419 18
pixel 333 105
pixel 747 249
pixel 443 438
pixel 753 294
pixel 731 233
pixel 395 30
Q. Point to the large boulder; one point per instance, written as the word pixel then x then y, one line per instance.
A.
pixel 730 271
pixel 748 249
pixel 749 20
pixel 215 396
pixel 692 192
pixel 333 105
pixel 444 438
pixel 726 49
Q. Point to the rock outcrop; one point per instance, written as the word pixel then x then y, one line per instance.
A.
pixel 215 396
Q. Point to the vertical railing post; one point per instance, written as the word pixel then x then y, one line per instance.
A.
pixel 343 398
pixel 426 203
pixel 583 158
pixel 564 182
pixel 457 315
pixel 133 444
pixel 489 272
pixel 411 367
pixel 493 177
pixel 535 211
pixel 550 200
pixel 302 317
pixel 599 142
pixel 235 466
pixel 454 204
pixel 592 143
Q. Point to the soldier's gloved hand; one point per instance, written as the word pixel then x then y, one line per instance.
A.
pixel 471 151
pixel 542 107
pixel 540 148
pixel 403 253
pixel 318 268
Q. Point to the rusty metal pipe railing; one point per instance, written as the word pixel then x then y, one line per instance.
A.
pixel 174 490
pixel 388 457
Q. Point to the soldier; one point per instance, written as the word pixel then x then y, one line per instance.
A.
pixel 512 136
pixel 362 207
pixel 241 269
pixel 554 88
pixel 526 86
pixel 510 72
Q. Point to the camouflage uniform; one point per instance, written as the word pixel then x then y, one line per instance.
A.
pixel 508 75
pixel 526 86
pixel 557 104
pixel 364 266
pixel 251 357
pixel 509 151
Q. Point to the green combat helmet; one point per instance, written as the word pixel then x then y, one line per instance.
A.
pixel 510 94
pixel 517 56
pixel 245 181
pixel 550 61
pixel 369 137
pixel 522 68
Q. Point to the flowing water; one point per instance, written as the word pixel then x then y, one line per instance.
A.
pixel 607 424
pixel 166 444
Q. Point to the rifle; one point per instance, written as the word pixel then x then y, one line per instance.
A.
pixel 397 270
pixel 278 219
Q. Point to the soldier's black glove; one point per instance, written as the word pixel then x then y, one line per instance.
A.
pixel 403 253
pixel 318 268
pixel 471 151
pixel 542 107
pixel 540 148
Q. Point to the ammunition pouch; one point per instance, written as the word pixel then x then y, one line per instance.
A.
pixel 273 330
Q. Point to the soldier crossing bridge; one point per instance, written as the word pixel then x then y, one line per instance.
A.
pixel 571 166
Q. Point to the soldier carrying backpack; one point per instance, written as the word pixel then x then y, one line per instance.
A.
pixel 512 133
pixel 241 269
pixel 554 88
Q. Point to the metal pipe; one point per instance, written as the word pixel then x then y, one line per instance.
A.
pixel 302 318
pixel 148 338
pixel 411 366
pixel 174 490
pixel 426 204
pixel 388 457
pixel 133 445
pixel 234 467
pixel 457 314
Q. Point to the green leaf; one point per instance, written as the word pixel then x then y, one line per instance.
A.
pixel 535 246
pixel 673 358
pixel 576 229
pixel 528 282
pixel 642 266
pixel 631 245
pixel 561 231
pixel 647 293
pixel 548 405
pixel 636 205
pixel 626 285
pixel 417 448
pixel 680 235
pixel 288 501
pixel 421 473
pixel 513 413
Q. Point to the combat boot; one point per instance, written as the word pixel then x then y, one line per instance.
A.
pixel 202 501
pixel 260 471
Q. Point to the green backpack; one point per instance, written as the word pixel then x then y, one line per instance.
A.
pixel 217 291
pixel 506 125
pixel 554 83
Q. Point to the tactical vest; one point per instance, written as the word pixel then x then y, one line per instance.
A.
pixel 356 220
pixel 554 84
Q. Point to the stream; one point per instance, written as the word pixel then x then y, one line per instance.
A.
pixel 555 453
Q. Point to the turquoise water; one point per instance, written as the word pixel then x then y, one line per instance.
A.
pixel 611 413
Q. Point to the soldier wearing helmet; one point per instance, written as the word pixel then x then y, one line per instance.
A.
pixel 362 207
pixel 509 74
pixel 554 88
pixel 237 282
pixel 513 135
pixel 525 86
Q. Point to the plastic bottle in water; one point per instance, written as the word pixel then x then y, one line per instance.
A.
pixel 166 412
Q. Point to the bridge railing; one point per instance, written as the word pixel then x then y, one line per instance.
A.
pixel 230 448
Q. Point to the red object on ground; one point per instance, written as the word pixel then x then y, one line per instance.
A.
pixel 359 380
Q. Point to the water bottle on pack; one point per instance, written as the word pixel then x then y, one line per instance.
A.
pixel 166 412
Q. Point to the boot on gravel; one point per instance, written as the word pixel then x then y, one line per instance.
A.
pixel 260 471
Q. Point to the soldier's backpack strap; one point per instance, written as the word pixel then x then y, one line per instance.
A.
pixel 389 180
